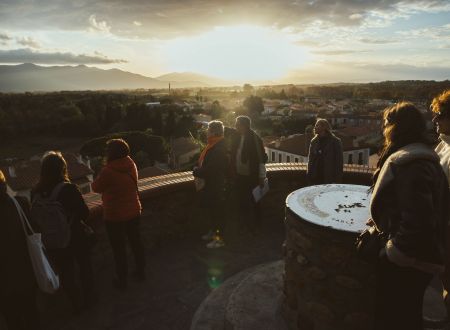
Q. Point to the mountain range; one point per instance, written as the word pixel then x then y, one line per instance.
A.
pixel 32 77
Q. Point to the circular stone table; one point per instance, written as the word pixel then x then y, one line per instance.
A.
pixel 325 285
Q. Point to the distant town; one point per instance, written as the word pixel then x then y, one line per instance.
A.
pixel 165 127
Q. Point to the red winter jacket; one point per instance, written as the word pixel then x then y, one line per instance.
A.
pixel 117 184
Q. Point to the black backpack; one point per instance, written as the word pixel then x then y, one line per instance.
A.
pixel 49 214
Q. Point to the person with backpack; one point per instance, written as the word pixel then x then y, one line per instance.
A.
pixel 117 182
pixel 58 210
pixel 17 281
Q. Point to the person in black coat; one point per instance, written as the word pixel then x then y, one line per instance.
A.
pixel 53 176
pixel 248 169
pixel 17 280
pixel 410 205
pixel 325 156
pixel 210 180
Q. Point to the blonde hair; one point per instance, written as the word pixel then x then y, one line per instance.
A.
pixel 2 177
pixel 441 103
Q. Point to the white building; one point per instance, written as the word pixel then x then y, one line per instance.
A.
pixel 294 149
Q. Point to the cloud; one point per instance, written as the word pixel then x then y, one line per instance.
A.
pixel 26 55
pixel 436 32
pixel 338 52
pixel 4 37
pixel 100 26
pixel 28 42
pixel 166 19
pixel 137 23
pixel 377 41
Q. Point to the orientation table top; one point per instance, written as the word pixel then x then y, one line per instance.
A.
pixel 343 207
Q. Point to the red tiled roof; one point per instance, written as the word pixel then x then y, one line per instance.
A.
pixel 182 146
pixel 299 145
pixel 27 172
pixel 359 130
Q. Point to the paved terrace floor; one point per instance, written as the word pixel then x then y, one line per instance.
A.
pixel 181 272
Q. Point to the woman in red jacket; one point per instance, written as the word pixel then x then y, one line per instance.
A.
pixel 117 182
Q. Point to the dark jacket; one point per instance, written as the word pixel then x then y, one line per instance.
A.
pixel 16 273
pixel 410 203
pixel 74 206
pixel 325 160
pixel 214 171
pixel 252 151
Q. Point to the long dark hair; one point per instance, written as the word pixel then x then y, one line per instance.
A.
pixel 53 171
pixel 403 124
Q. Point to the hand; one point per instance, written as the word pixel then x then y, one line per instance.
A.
pixel 370 222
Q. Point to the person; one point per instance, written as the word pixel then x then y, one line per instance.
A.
pixel 212 168
pixel 117 182
pixel 248 160
pixel 17 281
pixel 325 156
pixel 440 106
pixel 409 204
pixel 54 183
pixel 441 109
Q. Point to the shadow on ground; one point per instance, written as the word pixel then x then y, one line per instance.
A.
pixel 181 273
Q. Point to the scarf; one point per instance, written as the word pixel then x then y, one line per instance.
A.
pixel 212 141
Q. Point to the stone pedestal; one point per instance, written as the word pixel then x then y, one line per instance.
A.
pixel 326 287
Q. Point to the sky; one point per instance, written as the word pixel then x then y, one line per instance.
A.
pixel 256 41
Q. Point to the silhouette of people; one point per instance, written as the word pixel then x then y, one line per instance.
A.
pixel 17 281
pixel 325 156
pixel 441 110
pixel 248 160
pixel 212 168
pixel 54 183
pixel 117 182
pixel 410 204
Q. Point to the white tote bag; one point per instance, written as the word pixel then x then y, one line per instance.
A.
pixel 46 278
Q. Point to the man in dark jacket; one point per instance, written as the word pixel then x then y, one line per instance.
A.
pixel 17 281
pixel 248 167
pixel 211 172
pixel 325 158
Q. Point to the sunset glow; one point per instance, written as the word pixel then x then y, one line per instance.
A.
pixel 238 53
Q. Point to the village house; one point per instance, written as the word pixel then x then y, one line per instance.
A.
pixel 294 149
pixel 346 120
pixel 23 175
pixel 181 152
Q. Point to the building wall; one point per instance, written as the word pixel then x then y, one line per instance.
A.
pixel 359 156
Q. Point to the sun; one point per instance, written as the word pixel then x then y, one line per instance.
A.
pixel 238 53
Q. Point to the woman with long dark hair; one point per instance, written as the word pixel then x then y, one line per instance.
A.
pixel 54 186
pixel 410 205
pixel 117 182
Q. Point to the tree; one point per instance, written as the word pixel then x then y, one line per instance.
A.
pixel 254 105
pixel 248 89
pixel 151 145
pixel 216 110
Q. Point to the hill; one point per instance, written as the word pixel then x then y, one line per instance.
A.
pixel 31 77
